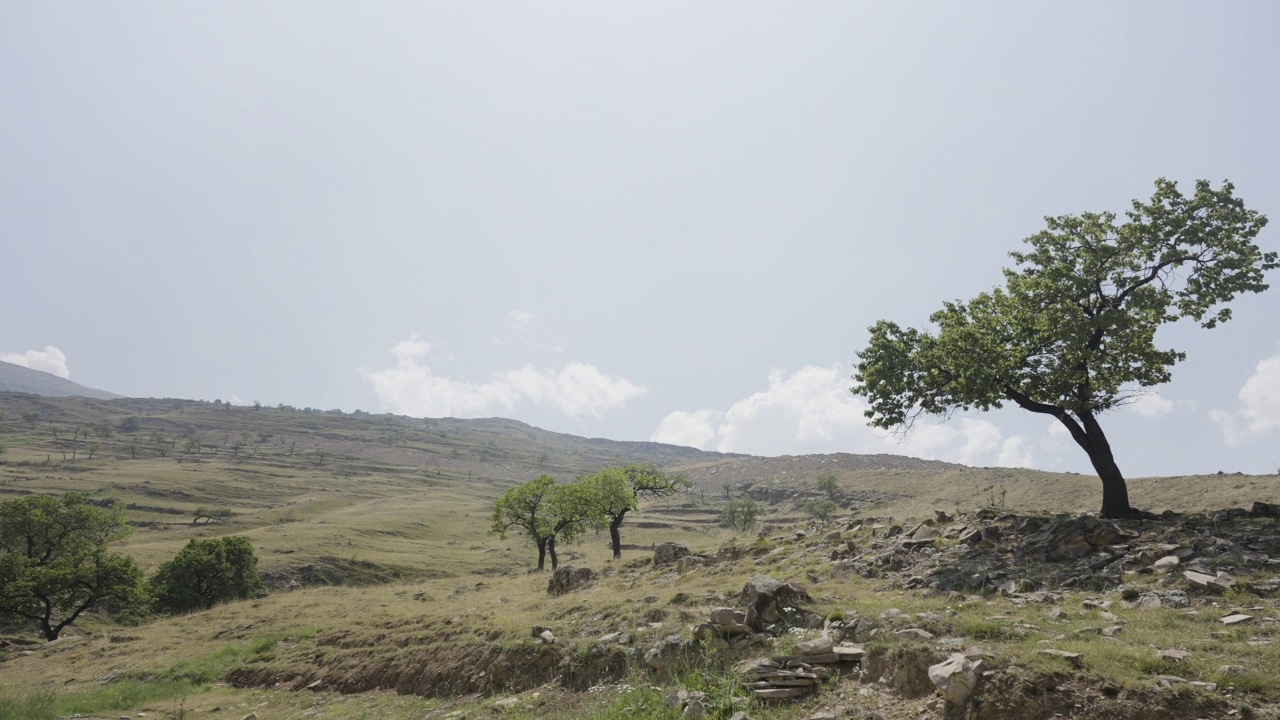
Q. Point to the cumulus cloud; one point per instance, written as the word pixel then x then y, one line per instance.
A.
pixel 1151 405
pixel 812 410
pixel 410 387
pixel 1259 411
pixel 50 360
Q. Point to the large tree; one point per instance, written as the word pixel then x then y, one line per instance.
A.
pixel 615 491
pixel 54 563
pixel 1072 332
pixel 544 511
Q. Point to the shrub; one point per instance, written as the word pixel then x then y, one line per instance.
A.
pixel 207 572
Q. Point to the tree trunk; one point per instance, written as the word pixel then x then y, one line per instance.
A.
pixel 1115 493
pixel 615 538
pixel 542 553
pixel 551 548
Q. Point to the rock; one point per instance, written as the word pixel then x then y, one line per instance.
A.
pixel 1265 509
pixel 667 553
pixel 926 532
pixel 1236 619
pixel 817 646
pixel 914 634
pixel 779 693
pixel 539 629
pixel 727 616
pixel 943 517
pixel 547 637
pixel 1174 655
pixel 1233 670
pixel 1204 581
pixel 848 653
pixel 568 579
pixel 956 678
pixel 972 536
pixel 1057 613
pixel 250 716
pixel 1166 563
pixel 770 598
pixel 740 716
pixel 695 708
pixel 1072 658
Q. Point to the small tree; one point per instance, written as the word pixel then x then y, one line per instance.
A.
pixel 741 514
pixel 1072 333
pixel 827 484
pixel 54 563
pixel 207 572
pixel 821 509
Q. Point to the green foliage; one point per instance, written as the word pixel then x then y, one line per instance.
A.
pixel 523 507
pixel 821 509
pixel 1072 332
pixel 827 484
pixel 54 563
pixel 741 514
pixel 207 572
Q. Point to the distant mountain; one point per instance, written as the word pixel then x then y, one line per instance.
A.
pixel 16 378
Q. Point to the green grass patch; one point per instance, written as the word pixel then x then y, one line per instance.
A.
pixel 215 665
pixel 45 704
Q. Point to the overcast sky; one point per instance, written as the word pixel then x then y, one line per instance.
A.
pixel 648 220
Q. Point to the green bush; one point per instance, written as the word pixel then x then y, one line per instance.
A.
pixel 207 572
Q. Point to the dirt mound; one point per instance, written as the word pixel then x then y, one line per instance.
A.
pixel 1017 696
pixel 429 672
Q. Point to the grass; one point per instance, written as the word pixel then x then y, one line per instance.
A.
pixel 395 517
pixel 47 704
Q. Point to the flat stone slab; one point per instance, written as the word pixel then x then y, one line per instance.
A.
pixel 1072 658
pixel 779 693
pixel 1236 619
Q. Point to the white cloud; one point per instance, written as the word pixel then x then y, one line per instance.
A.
pixel 50 360
pixel 410 387
pixel 1259 411
pixel 1152 405
pixel 520 319
pixel 812 410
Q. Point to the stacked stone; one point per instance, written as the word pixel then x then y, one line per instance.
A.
pixel 795 675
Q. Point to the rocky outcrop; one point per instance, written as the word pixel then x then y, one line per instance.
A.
pixel 568 579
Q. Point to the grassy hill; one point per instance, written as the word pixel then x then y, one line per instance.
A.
pixel 19 379
pixel 403 606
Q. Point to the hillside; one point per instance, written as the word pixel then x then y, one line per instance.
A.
pixel 388 599
pixel 19 379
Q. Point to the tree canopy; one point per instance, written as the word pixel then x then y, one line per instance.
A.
pixel 1072 332
pixel 207 572
pixel 543 511
pixel 54 563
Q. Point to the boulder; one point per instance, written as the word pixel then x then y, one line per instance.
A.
pixel 568 579
pixel 668 553
pixel 765 593
pixel 1265 509
pixel 817 646
pixel 956 678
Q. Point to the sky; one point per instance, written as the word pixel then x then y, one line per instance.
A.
pixel 634 220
